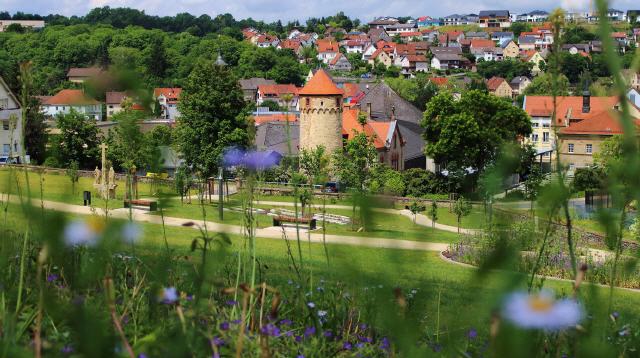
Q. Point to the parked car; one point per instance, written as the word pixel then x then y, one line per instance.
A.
pixel 4 160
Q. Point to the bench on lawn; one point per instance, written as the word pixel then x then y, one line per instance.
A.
pixel 280 219
pixel 151 204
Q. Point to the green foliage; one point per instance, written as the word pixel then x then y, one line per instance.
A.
pixel 77 141
pixel 271 104
pixel 212 117
pixel 314 164
pixel 519 27
pixel 128 146
pixel 533 182
pixel 35 132
pixel 433 213
pixel 506 69
pixel 461 208
pixel 385 180
pixel 74 177
pixel 541 85
pixel 418 90
pixel 469 133
pixel 572 66
pixel 577 34
pixel 421 182
pixel 610 154
pixel 589 178
pixel 355 164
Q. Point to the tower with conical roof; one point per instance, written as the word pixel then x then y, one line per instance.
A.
pixel 321 113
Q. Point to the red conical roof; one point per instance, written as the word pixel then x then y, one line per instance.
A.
pixel 321 84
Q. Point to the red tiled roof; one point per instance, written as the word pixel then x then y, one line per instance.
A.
pixel 71 97
pixel 351 127
pixel 619 35
pixel 337 58
pixel 274 117
pixel 478 43
pixel 527 55
pixel 411 34
pixel 417 58
pixel 494 82
pixel 278 89
pixel 606 122
pixel 291 44
pixel 569 107
pixel 84 72
pixel 321 84
pixel 327 46
pixel 439 81
pixel 351 89
pixel 114 97
pixel 171 93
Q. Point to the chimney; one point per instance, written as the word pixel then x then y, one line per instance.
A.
pixel 586 101
pixel 369 110
pixel 393 113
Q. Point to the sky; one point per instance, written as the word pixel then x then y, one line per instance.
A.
pixel 271 10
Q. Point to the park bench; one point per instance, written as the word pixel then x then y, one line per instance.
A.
pixel 280 219
pixel 152 205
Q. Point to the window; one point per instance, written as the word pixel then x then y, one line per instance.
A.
pixel 6 148
pixel 534 137
pixel 570 147
pixel 589 148
pixel 337 101
pixel 5 125
pixel 307 101
pixel 4 103
pixel 535 124
pixel 546 125
pixel 572 166
pixel 545 137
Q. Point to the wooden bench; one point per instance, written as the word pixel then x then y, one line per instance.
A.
pixel 280 219
pixel 152 205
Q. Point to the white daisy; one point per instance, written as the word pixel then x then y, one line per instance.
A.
pixel 542 311
pixel 131 233
pixel 83 232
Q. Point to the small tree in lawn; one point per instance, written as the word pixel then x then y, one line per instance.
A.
pixel 533 183
pixel 416 208
pixel 462 208
pixel 433 213
pixel 72 173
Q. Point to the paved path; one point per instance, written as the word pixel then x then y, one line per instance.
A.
pixel 268 233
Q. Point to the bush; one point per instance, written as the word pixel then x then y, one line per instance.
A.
pixel 420 182
pixel 51 162
pixel 588 178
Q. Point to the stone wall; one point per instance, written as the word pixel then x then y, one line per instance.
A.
pixel 321 122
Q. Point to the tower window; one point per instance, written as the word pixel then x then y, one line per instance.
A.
pixel 337 101
pixel 307 101
pixel 321 103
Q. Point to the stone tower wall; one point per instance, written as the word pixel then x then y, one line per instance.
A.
pixel 321 122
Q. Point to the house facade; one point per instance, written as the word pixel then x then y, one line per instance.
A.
pixel 276 93
pixel 340 63
pixel 68 100
pixel 494 19
pixel 11 119
pixel 327 50
pixel 168 99
pixel 499 87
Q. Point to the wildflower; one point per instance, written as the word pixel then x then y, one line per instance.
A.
pixel 472 334
pixel 328 334
pixel 311 305
pixel 131 233
pixel 298 339
pixel 288 333
pixel 615 315
pixel 365 339
pixel 259 161
pixel 217 341
pixel 66 350
pixel 363 326
pixel 231 303
pixel 142 355
pixel 542 311
pixel 436 347
pixel 270 329
pixel 236 321
pixel 83 232
pixel 285 322
pixel 169 295
pixel 414 291
pixel 347 346
pixel 309 331
pixel 233 156
pixel 320 289
pixel 385 343
pixel 300 356
pixel 224 326
pixel 52 277
pixel 359 345
pixel 322 313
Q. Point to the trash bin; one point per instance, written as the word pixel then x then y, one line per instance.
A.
pixel 86 195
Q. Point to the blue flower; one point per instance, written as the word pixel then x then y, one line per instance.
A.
pixel 260 160
pixel 224 326
pixel 233 156
pixel 298 339
pixel 285 322
pixel 311 305
pixel 131 233
pixel 217 341
pixel 52 277
pixel 142 355
pixel 309 331
pixel 270 330
pixel 231 302
pixel 472 334
pixel 168 295
pixel 66 350
pixel 347 346
pixel 328 334
pixel 385 343
pixel 322 313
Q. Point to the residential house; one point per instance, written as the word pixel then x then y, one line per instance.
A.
pixel 445 58
pixel 488 53
pixel 494 19
pixel 397 29
pixel 633 16
pixel 634 96
pixel 410 64
pixel 430 35
pixel 616 15
pixel 501 37
pixel 411 36
pixel 621 38
pixel 356 46
pixel 383 104
pixel 519 84
pixel 632 78
pixel 327 50
pixel 114 102
pixel 249 87
pixel 581 139
pixel 167 99
pixel 534 57
pixel 340 63
pixel 427 21
pixel 533 16
pixel 82 74
pixel 378 34
pixel 293 45
pixel 32 24
pixel 67 100
pixel 499 87
pixel 475 35
pixel 276 93
pixel 636 36
pixel 381 56
pixel 278 137
pixel 510 49
pixel 11 131
pixel 386 137
pixel 382 22
pixel 527 42
pixel 574 49
pixel 451 38
pixel 457 20
pixel 368 52
pixel 569 111
pixel 266 41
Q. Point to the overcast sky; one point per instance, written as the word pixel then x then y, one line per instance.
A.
pixel 270 10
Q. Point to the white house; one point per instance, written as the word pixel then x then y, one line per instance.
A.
pixel 634 97
pixel 11 119
pixel 67 100
pixel 168 99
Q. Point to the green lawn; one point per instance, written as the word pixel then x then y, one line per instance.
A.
pixel 475 220
pixel 463 298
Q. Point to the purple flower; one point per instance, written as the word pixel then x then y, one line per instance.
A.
pixel 436 347
pixel 363 326
pixel 224 326
pixel 52 277
pixel 236 321
pixel 285 322
pixel 359 345
pixel 472 334
pixel 142 355
pixel 231 303
pixel 66 350
pixel 309 331
pixel 365 339
pixel 328 334
pixel 233 156
pixel 260 160
pixel 385 343
pixel 346 346
pixel 300 356
pixel 270 330
pixel 288 333
pixel 615 314
pixel 298 339
pixel 168 295
pixel 217 341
